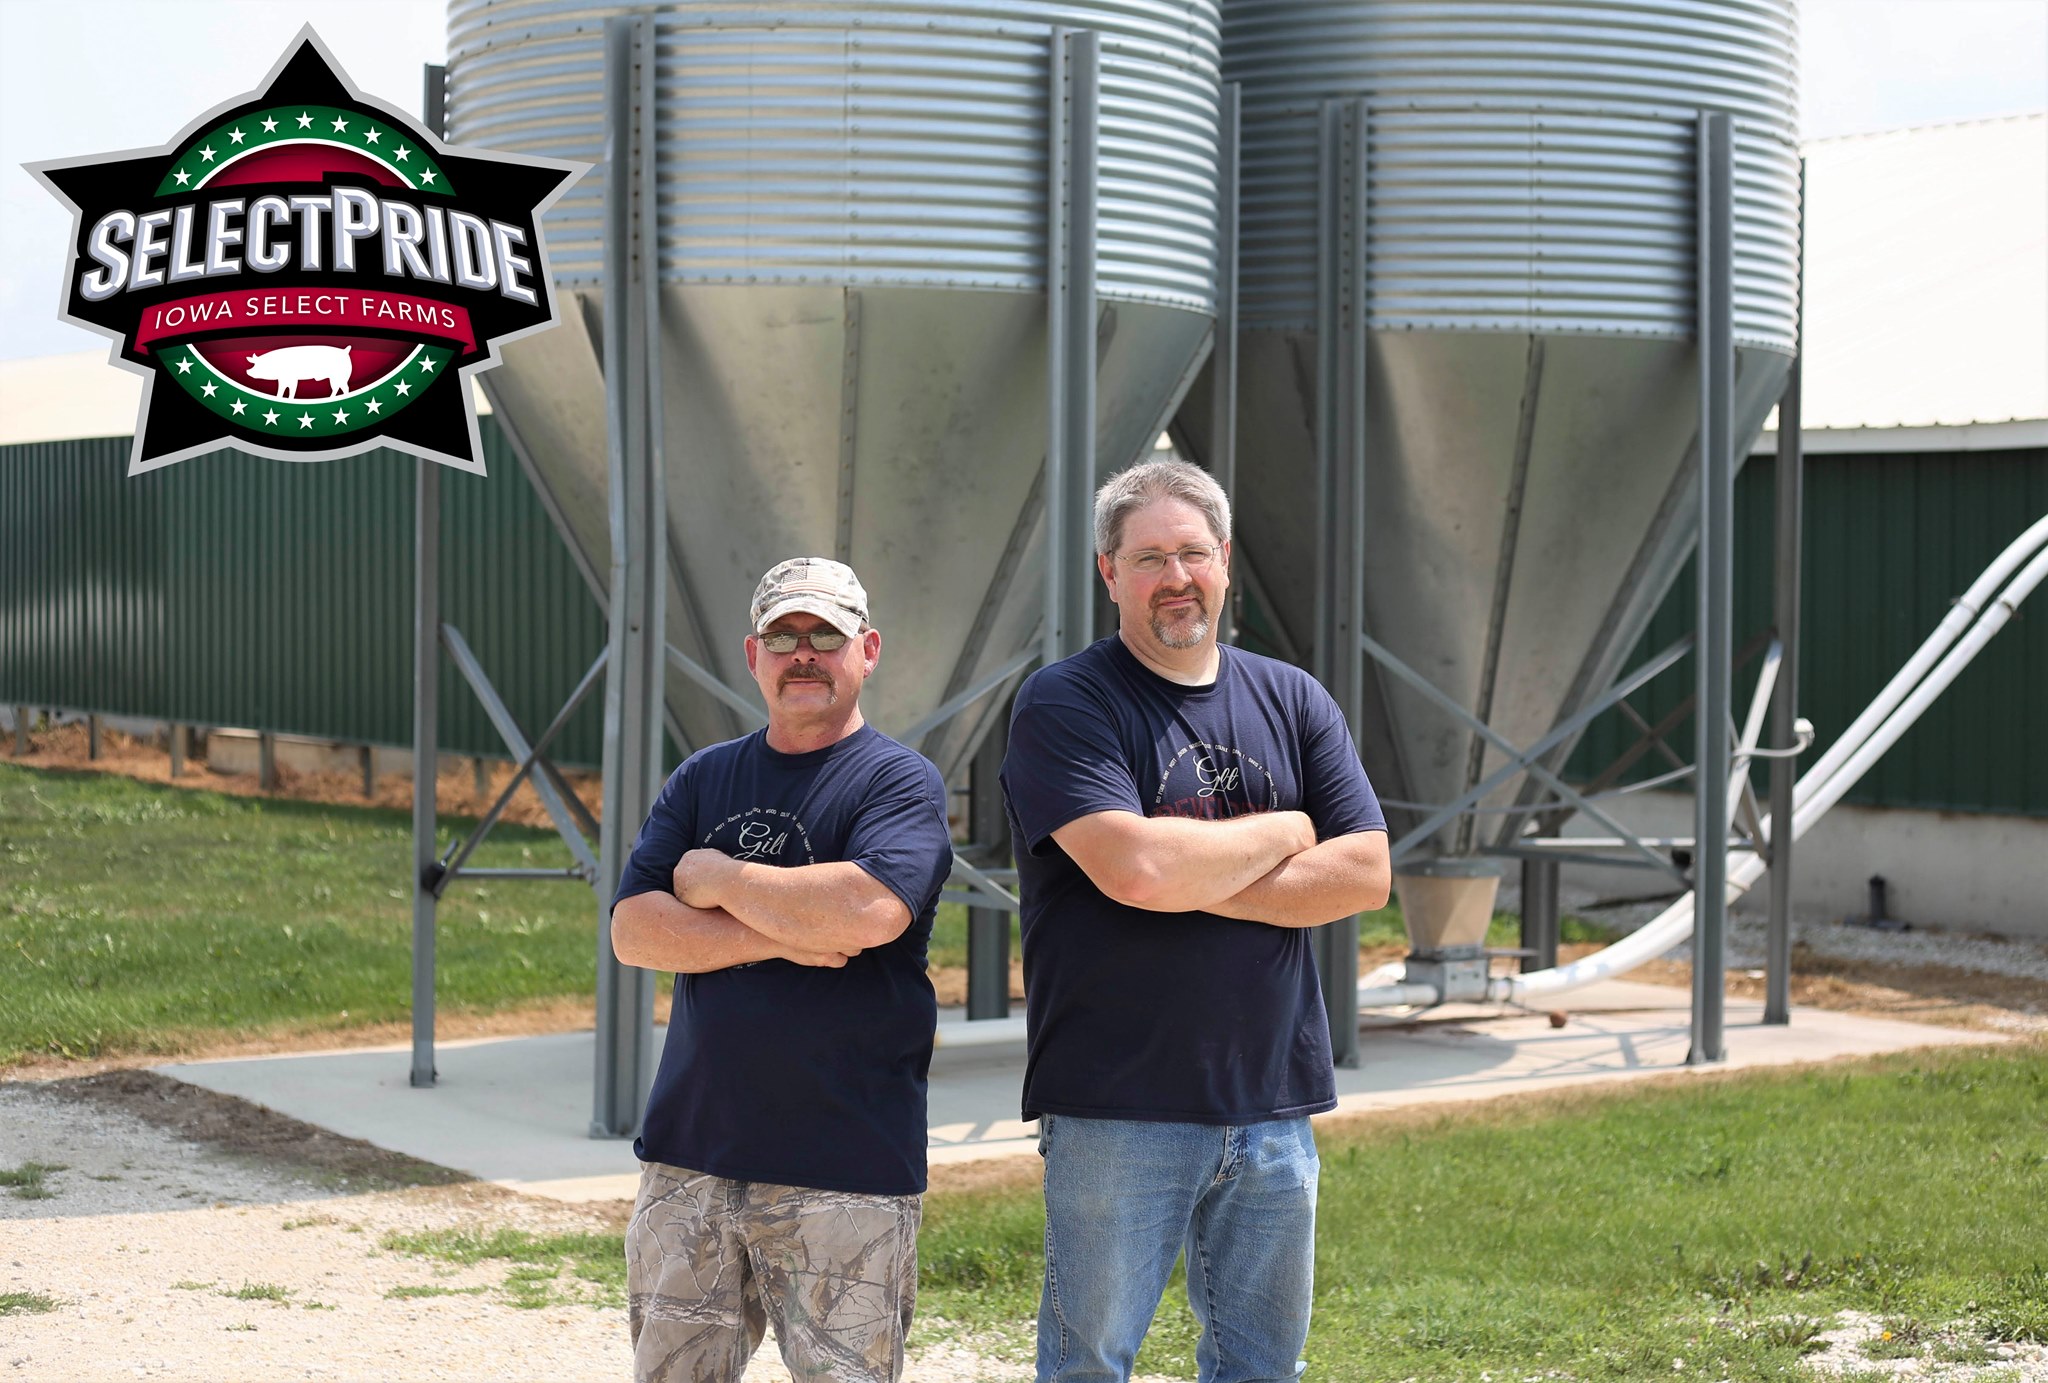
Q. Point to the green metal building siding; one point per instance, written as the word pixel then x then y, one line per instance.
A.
pixel 1891 542
pixel 234 591
pixel 229 590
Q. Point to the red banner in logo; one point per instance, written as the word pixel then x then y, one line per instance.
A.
pixel 354 308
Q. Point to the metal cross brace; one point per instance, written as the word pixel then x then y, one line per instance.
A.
pixel 1524 759
pixel 750 713
pixel 452 862
pixel 508 730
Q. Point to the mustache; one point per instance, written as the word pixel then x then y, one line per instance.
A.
pixel 1190 591
pixel 804 672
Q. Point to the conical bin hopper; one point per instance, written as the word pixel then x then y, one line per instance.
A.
pixel 853 226
pixel 1531 380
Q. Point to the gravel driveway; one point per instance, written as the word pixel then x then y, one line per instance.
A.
pixel 169 1258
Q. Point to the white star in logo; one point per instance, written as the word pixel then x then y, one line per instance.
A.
pixel 305 420
pixel 426 364
pixel 402 387
pixel 206 155
pixel 181 177
pixel 270 417
pixel 208 389
pixel 369 137
pixel 401 153
pixel 239 407
pixel 235 136
pixel 426 177
pixel 341 415
pixel 305 121
pixel 269 125
pixel 185 366
pixel 372 406
pixel 339 124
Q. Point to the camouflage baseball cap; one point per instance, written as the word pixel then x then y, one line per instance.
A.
pixel 815 585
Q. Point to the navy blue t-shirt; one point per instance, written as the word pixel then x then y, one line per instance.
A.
pixel 796 1074
pixel 1184 1017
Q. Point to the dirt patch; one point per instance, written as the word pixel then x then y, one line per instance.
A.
pixel 237 1127
pixel 1940 995
pixel 66 748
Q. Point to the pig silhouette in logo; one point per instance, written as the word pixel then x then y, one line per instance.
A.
pixel 292 366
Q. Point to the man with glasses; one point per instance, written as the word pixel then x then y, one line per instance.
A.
pixel 1181 812
pixel 789 878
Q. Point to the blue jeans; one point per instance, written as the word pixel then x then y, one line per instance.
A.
pixel 1123 1197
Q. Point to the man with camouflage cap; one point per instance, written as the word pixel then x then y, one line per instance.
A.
pixel 789 878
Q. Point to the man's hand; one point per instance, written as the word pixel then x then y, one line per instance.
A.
pixel 700 876
pixel 824 960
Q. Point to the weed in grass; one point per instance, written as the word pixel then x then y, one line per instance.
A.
pixel 259 1291
pixel 2017 1308
pixel 1801 1334
pixel 25 1304
pixel 190 1286
pixel 28 1181
pixel 530 1288
pixel 1962 1352
pixel 596 1263
pixel 320 1306
pixel 413 1293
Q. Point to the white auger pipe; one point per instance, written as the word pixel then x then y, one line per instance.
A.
pixel 1905 698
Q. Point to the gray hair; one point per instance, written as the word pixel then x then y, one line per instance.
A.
pixel 1148 481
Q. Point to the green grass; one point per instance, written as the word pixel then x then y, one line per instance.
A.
pixel 1608 1235
pixel 595 1264
pixel 414 1293
pixel 28 1181
pixel 136 918
pixel 25 1304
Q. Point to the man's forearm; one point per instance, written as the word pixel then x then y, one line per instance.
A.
pixel 1334 879
pixel 832 906
pixel 1179 864
pixel 655 931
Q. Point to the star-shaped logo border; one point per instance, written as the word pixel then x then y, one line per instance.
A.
pixel 199 414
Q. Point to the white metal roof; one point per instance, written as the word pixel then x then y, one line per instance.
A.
pixel 55 398
pixel 1927 279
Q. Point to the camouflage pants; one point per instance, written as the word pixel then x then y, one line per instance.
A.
pixel 709 1262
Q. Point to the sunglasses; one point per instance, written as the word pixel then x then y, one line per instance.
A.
pixel 821 640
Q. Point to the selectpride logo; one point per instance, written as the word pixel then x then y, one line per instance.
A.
pixel 304 274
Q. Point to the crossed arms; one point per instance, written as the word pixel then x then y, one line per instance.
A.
pixel 1266 867
pixel 727 912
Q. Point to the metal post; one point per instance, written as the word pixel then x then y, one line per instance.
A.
pixel 1342 339
pixel 988 929
pixel 174 737
pixel 1791 504
pixel 368 760
pixel 266 761
pixel 92 737
pixel 1539 914
pixel 1716 580
pixel 20 731
pixel 426 701
pixel 637 657
pixel 1070 490
pixel 1223 359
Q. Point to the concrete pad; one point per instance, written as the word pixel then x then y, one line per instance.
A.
pixel 516 1111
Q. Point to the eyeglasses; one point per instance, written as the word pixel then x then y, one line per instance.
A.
pixel 1194 557
pixel 821 641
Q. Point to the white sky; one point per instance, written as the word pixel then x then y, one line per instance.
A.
pixel 97 76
